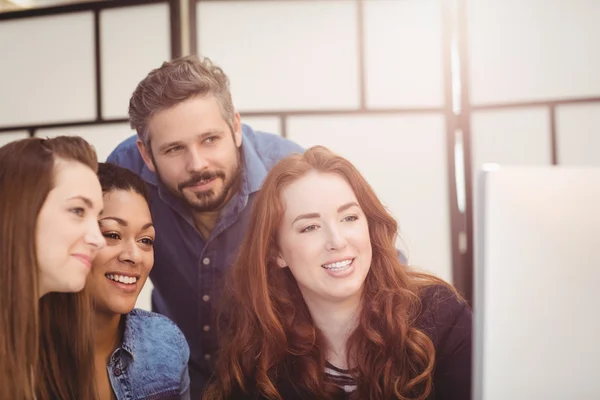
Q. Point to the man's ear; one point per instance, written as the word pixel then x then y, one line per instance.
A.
pixel 237 130
pixel 146 155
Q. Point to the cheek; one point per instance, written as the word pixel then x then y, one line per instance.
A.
pixel 47 239
pixel 171 168
pixel 227 158
pixel 56 245
pixel 362 235
pixel 303 250
pixel 103 259
pixel 363 243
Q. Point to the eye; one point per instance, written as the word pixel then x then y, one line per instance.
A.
pixel 147 241
pixel 112 235
pixel 79 211
pixel 309 228
pixel 174 149
pixel 350 218
pixel 211 139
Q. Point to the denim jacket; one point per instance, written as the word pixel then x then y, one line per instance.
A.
pixel 151 362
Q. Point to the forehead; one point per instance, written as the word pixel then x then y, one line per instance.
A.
pixel 186 120
pixel 72 178
pixel 127 205
pixel 316 192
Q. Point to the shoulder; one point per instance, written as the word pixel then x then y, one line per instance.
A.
pixel 447 320
pixel 269 147
pixel 157 334
pixel 127 155
pixel 159 367
pixel 444 315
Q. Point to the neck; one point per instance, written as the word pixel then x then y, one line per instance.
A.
pixel 205 222
pixel 336 321
pixel 107 333
pixel 42 289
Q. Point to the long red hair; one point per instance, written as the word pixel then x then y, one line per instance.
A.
pixel 267 335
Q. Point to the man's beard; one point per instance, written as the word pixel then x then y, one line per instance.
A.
pixel 206 201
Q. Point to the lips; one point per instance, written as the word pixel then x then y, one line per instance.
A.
pixel 125 282
pixel 338 265
pixel 85 259
pixel 124 279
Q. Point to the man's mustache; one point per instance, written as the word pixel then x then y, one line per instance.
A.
pixel 203 176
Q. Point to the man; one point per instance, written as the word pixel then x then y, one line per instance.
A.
pixel 203 169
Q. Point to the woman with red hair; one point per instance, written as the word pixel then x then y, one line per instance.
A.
pixel 318 305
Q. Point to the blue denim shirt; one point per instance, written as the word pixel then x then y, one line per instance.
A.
pixel 152 361
pixel 188 270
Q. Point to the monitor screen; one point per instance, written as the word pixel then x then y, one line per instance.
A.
pixel 537 284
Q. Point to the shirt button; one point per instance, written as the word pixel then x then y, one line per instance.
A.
pixel 206 297
pixel 117 371
pixel 207 357
pixel 206 261
pixel 206 328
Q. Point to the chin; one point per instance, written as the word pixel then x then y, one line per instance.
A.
pixel 123 309
pixel 73 286
pixel 348 292
pixel 77 279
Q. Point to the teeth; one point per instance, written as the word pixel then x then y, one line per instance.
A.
pixel 337 266
pixel 128 280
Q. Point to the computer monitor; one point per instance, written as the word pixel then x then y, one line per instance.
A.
pixel 537 284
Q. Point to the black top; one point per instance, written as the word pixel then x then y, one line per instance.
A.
pixel 448 323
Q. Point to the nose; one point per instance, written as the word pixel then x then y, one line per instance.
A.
pixel 94 237
pixel 336 239
pixel 196 161
pixel 131 253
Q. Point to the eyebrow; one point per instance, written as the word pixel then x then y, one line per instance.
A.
pixel 124 223
pixel 317 215
pixel 202 136
pixel 347 206
pixel 118 220
pixel 87 201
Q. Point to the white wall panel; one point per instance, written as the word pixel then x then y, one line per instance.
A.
pixel 134 41
pixel 404 56
pixel 284 55
pixel 47 69
pixel 578 134
pixel 144 300
pixel 510 137
pixel 404 159
pixel 103 137
pixel 533 49
pixel 7 137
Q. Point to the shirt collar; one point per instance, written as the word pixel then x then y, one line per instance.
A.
pixel 128 344
pixel 253 171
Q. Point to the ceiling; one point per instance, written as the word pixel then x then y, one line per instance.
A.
pixel 15 5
